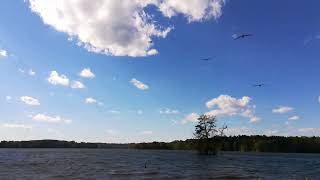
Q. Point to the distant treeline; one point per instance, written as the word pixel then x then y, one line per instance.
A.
pixel 235 143
pixel 57 144
pixel 245 144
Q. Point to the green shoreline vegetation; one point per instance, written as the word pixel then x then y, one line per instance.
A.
pixel 222 143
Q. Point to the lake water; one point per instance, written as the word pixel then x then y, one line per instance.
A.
pixel 130 164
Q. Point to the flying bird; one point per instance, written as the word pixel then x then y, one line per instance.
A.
pixel 241 36
pixel 206 59
pixel 258 85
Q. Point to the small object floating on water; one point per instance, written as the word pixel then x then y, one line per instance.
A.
pixel 145 164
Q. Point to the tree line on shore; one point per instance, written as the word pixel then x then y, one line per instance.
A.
pixel 222 143
pixel 244 144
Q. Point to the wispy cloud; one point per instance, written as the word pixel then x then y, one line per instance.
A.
pixel 294 118
pixel 168 111
pixel 192 117
pixel 77 85
pixel 139 84
pixel 31 72
pixel 30 100
pixel 50 119
pixel 147 133
pixel 282 109
pixel 114 112
pixel 17 126
pixel 91 100
pixel 139 112
pixel 8 98
pixel 309 131
pixel 234 131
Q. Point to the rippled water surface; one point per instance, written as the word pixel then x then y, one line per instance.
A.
pixel 145 164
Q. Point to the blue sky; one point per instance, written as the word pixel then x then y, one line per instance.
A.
pixel 143 79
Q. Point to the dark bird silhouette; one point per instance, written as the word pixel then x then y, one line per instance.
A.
pixel 258 85
pixel 206 59
pixel 241 36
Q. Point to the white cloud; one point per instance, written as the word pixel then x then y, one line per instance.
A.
pixel 310 131
pixel 139 112
pixel 194 10
pixel 21 70
pixel 139 84
pixel 148 132
pixel 114 112
pixel 57 79
pixel 319 99
pixel 31 72
pixel 30 100
pixel 192 117
pixel 239 131
pixel 168 111
pixel 112 132
pixel 270 132
pixel 282 109
pixel 87 73
pixel 294 118
pixel 119 27
pixel 3 53
pixel 90 100
pixel 77 85
pixel 8 98
pixel 225 105
pixel 51 119
pixel 18 126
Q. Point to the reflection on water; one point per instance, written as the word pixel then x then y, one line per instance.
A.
pixel 145 164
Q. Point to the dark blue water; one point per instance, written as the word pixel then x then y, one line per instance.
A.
pixel 130 164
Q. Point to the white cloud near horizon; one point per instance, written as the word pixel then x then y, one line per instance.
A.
pixel 30 100
pixel 3 53
pixel 147 133
pixel 17 126
pixel 50 119
pixel 168 111
pixel 282 109
pixel 56 79
pixel 192 117
pixel 294 118
pixel 77 85
pixel 87 73
pixel 310 131
pixel 120 27
pixel 235 131
pixel 8 98
pixel 138 84
pixel 225 105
